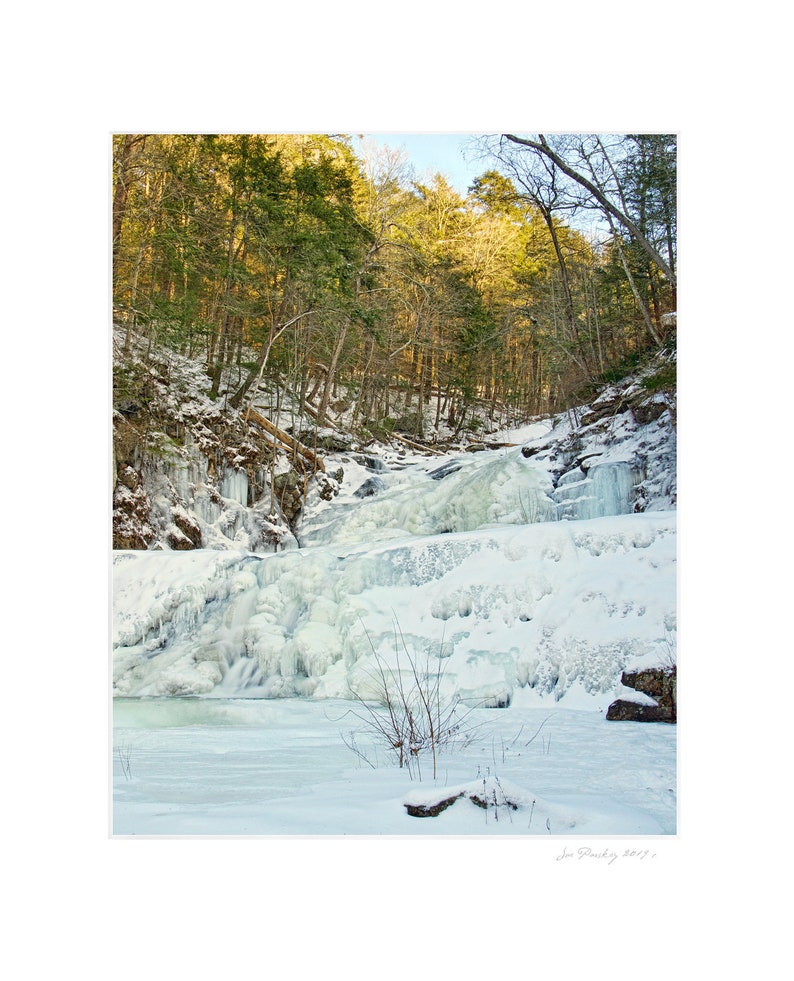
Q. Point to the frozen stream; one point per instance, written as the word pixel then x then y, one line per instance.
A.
pixel 213 766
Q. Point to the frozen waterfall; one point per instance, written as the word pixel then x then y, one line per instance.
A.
pixel 485 567
pixel 605 489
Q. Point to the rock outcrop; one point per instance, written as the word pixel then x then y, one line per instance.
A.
pixel 190 472
pixel 659 684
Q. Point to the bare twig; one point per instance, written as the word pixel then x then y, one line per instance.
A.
pixel 543 723
pixel 412 716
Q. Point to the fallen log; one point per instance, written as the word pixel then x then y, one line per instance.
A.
pixel 415 446
pixel 288 442
pixel 483 444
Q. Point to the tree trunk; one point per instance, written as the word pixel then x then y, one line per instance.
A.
pixel 255 374
pixel 220 357
pixel 646 315
pixel 331 374
pixel 570 316
pixel 287 442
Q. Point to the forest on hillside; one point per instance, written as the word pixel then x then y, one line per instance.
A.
pixel 340 276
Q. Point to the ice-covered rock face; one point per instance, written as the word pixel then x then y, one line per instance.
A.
pixel 180 498
pixel 190 473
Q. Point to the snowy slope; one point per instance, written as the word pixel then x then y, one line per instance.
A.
pixel 191 473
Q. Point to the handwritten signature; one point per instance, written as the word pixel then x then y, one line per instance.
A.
pixel 608 855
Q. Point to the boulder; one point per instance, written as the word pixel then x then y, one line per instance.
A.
pixel 486 793
pixel 369 488
pixel 623 710
pixel 327 440
pixel 289 492
pixel 659 684
pixel 649 410
pixel 188 528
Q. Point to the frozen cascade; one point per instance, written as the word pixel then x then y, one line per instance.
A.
pixel 214 510
pixel 205 508
pixel 189 470
pixel 554 608
pixel 464 495
pixel 510 577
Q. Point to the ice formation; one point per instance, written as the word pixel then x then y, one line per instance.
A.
pixel 544 568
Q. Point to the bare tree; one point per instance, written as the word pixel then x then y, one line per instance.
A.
pixel 600 194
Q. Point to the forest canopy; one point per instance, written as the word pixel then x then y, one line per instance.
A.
pixel 293 257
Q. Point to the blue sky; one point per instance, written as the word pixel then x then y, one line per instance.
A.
pixel 444 152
